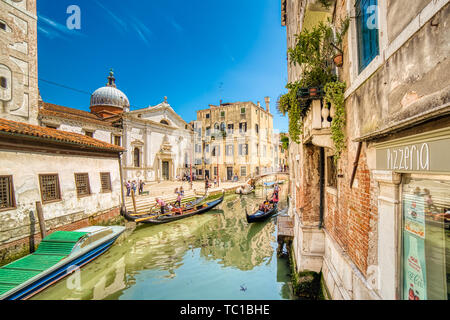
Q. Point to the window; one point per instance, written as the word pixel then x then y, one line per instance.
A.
pixel 215 171
pixel 117 141
pixel 208 131
pixel 165 122
pixel 6 193
pixel 331 172
pixel 3 82
pixel 222 127
pixel 230 128
pixel 257 129
pixel 89 134
pixel 207 115
pixel 222 114
pixel 367 31
pixel 242 110
pixel 137 160
pixel 216 151
pixel 243 171
pixel 257 150
pixel 230 150
pixel 243 127
pixel 243 149
pixel 105 179
pixel 265 151
pixel 50 190
pixel 207 148
pixel 82 184
pixel 2 25
pixel 426 238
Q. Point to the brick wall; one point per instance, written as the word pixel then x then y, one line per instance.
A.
pixel 351 214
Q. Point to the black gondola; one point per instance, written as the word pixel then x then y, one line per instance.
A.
pixel 172 216
pixel 259 215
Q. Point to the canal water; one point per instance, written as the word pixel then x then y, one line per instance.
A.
pixel 213 256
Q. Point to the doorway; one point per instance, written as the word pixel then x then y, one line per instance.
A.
pixel 165 170
pixel 229 173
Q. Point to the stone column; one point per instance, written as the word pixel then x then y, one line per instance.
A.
pixel 385 276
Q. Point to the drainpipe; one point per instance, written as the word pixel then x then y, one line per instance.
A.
pixel 122 208
pixel 322 186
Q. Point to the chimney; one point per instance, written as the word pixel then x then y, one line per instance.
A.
pixel 259 104
pixel 267 99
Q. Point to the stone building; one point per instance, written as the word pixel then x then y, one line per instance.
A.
pixel 376 222
pixel 18 61
pixel 75 178
pixel 157 140
pixel 234 138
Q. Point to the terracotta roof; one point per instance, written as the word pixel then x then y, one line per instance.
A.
pixel 49 109
pixel 48 134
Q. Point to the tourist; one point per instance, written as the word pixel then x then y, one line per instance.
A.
pixel 161 203
pixel 134 186
pixel 176 191
pixel 182 191
pixel 128 186
pixel 215 182
pixel 206 185
pixel 141 187
pixel 178 202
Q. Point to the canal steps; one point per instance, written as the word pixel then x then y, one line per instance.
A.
pixel 144 203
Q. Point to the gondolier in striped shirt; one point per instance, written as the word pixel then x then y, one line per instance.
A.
pixel 162 204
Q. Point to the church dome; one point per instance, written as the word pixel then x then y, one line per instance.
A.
pixel 110 96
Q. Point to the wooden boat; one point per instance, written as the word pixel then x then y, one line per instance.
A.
pixel 174 216
pixel 154 210
pixel 261 215
pixel 57 256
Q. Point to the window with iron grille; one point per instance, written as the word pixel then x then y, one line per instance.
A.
pixel 82 184
pixel 6 193
pixel 50 190
pixel 105 178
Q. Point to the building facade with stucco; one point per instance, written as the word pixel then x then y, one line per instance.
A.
pixel 376 222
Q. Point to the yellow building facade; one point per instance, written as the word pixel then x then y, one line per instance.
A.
pixel 234 140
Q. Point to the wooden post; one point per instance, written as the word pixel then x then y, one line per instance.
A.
pixel 40 215
pixel 134 200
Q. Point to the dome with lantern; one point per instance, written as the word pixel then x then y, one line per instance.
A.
pixel 109 99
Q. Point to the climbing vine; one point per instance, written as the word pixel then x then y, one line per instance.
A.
pixel 313 54
pixel 334 94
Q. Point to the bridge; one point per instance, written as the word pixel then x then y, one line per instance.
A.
pixel 255 179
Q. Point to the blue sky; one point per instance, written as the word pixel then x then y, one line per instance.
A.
pixel 194 52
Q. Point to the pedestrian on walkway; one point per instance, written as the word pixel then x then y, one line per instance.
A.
pixel 133 186
pixel 128 186
pixel 182 191
pixel 206 185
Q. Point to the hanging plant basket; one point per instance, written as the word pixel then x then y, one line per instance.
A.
pixel 338 60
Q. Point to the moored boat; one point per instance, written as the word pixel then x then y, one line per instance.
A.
pixel 261 215
pixel 174 215
pixel 57 256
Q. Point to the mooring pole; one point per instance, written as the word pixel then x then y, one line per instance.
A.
pixel 40 215
pixel 134 200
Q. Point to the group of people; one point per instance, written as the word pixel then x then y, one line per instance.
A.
pixel 133 185
pixel 268 204
pixel 175 207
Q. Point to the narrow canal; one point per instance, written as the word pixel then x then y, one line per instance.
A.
pixel 217 255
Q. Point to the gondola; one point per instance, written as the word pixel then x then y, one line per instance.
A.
pixel 173 216
pixel 259 215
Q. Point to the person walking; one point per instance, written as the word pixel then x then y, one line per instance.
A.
pixel 206 185
pixel 128 186
pixel 133 186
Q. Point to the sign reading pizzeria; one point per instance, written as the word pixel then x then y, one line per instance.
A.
pixel 426 156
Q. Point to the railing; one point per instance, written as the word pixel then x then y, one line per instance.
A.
pixel 319 117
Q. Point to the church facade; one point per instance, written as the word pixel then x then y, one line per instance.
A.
pixel 158 142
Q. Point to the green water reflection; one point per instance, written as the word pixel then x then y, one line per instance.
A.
pixel 217 255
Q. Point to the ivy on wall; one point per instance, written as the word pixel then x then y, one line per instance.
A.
pixel 313 53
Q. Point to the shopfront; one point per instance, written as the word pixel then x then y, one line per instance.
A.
pixel 416 171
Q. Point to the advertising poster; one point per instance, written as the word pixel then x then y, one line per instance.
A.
pixel 415 286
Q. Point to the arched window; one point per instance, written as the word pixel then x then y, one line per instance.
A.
pixel 137 162
pixel 164 122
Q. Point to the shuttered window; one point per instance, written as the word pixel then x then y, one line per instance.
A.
pixel 367 31
pixel 6 193
pixel 50 190
pixel 105 179
pixel 82 184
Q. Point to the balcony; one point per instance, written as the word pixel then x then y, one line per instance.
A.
pixel 317 124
